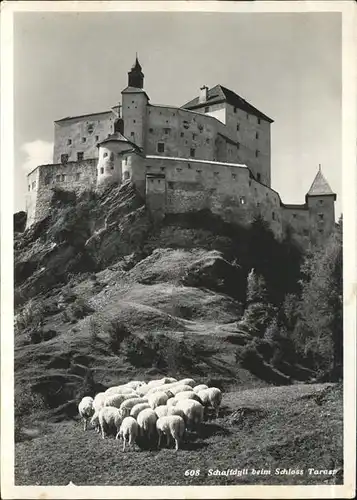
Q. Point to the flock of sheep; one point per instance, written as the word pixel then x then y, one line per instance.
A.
pixel 159 407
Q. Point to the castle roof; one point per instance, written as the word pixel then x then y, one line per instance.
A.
pixel 320 186
pixel 118 137
pixel 220 94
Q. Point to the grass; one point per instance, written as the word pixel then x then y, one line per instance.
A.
pixel 306 432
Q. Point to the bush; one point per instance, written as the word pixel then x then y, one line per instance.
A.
pixel 36 336
pixel 117 332
pixel 32 313
pixel 78 310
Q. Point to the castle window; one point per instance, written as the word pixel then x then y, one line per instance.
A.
pixel 273 215
pixel 294 216
pixel 101 170
pixel 182 134
pixel 84 139
pixel 321 202
pixel 207 141
pixel 111 156
pixel 96 137
pixel 162 169
pixel 29 187
pixel 112 167
pixel 80 156
pixel 178 169
pixel 257 153
pixel 167 131
pixel 34 185
pixel 247 116
pixel 258 121
pixel 126 160
pixel 258 204
pixel 189 165
pixel 134 121
pixel 238 145
pixel 69 142
pixel 132 102
pixel 170 185
pixel 105 155
pixel 132 134
pixel 321 230
pixel 199 171
pixel 194 136
pixel 321 216
pixel 257 135
pixel 58 178
pixel 234 176
pixel 126 175
pixel 235 110
pixel 242 200
pixel 160 147
pixel 151 130
pixel 78 175
pixel 192 152
pixel 206 109
pixel 258 176
pixel 63 178
pixel 216 174
pixel 238 127
pixel 64 158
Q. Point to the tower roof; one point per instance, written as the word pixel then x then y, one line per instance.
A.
pixel 320 186
pixel 118 137
pixel 218 94
pixel 136 66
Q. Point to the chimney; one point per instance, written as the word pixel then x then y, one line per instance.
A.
pixel 203 94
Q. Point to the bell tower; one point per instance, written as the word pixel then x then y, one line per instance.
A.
pixel 136 76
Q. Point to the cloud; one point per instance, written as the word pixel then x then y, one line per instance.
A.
pixel 38 153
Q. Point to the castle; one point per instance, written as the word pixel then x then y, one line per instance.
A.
pixel 211 153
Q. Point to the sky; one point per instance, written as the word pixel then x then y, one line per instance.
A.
pixel 288 65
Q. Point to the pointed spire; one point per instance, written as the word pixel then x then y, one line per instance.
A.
pixel 135 75
pixel 320 186
pixel 136 66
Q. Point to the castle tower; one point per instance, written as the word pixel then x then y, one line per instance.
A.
pixel 134 106
pixel 320 200
pixel 113 152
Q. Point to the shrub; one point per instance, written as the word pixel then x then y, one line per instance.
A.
pixel 117 332
pixel 78 310
pixel 31 314
pixel 38 335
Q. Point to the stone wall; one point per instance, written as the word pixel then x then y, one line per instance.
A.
pixel 31 196
pixel 296 220
pixel 73 176
pixel 81 135
pixel 321 217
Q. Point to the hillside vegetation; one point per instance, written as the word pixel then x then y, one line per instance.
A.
pixel 104 294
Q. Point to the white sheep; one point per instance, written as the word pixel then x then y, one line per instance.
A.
pixel 143 390
pixel 147 422
pixel 172 426
pixel 86 410
pixel 128 431
pixel 135 384
pixel 193 411
pixel 188 395
pixel 171 402
pixel 169 380
pixel 211 397
pixel 156 382
pixel 157 399
pixel 109 416
pixel 174 410
pixel 120 389
pixel 180 388
pixel 187 381
pixel 117 399
pixel 199 388
pixel 134 412
pixel 128 404
pixel 161 410
pixel 161 388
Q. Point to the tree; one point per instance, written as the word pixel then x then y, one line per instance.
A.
pixel 320 325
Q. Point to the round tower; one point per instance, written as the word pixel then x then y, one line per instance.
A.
pixel 112 151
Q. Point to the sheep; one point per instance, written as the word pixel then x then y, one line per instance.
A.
pixel 109 416
pixel 161 388
pixel 128 431
pixel 142 390
pixel 188 395
pixel 172 426
pixel 128 404
pixel 134 384
pixel 136 409
pixel 187 381
pixel 117 399
pixel 171 402
pixel 120 389
pixel 162 410
pixel 157 399
pixel 169 380
pixel 147 422
pixel 86 410
pixel 174 410
pixel 180 388
pixel 199 388
pixel 211 397
pixel 156 383
pixel 193 411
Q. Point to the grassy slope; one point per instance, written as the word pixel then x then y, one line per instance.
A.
pixel 293 429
